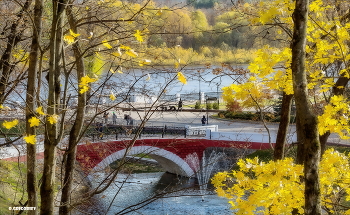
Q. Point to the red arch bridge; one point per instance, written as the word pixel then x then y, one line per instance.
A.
pixel 169 153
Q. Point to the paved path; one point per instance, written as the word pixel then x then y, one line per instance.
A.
pixel 182 118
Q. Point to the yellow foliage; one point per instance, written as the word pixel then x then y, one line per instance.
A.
pixel 53 119
pixel 181 78
pixel 10 124
pixel 275 187
pixel 84 83
pixel 131 53
pixel 30 139
pixel 34 121
pixel 138 36
pixel 112 96
pixel 335 117
pixel 144 62
pixel 106 44
pixel 40 111
pixel 70 38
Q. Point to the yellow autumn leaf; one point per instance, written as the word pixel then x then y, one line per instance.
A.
pixel 131 53
pixel 106 44
pixel 69 39
pixel 84 83
pixel 83 89
pixel 73 34
pixel 138 36
pixel 112 96
pixel 53 119
pixel 144 62
pixel 124 47
pixel 118 53
pixel 40 111
pixel 30 139
pixel 11 124
pixel 148 77
pixel 181 78
pixel 34 121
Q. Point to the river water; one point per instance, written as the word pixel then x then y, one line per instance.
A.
pixel 157 194
pixel 151 82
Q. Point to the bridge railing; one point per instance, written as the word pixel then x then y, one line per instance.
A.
pixel 126 131
pixel 200 130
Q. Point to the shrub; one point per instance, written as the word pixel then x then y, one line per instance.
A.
pixel 215 106
pixel 209 106
pixel 197 105
pixel 275 187
pixel 233 106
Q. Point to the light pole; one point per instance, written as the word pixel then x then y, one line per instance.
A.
pixel 206 107
pixel 199 85
pixel 217 93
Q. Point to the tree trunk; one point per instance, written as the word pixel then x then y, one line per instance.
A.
pixel 300 147
pixel 70 155
pixel 308 121
pixel 51 132
pixel 30 105
pixel 323 142
pixel 283 127
pixel 13 39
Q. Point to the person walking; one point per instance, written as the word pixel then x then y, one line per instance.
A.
pixel 179 106
pixel 105 116
pixel 127 118
pixel 114 118
pixel 204 120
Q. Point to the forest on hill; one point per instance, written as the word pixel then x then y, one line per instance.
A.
pixel 205 31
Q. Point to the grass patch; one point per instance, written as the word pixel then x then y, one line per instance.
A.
pixel 241 115
pixel 130 167
pixel 12 185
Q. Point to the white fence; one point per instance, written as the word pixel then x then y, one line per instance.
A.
pixel 251 137
pixel 200 130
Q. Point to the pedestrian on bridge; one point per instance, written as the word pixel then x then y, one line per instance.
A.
pixel 179 106
pixel 114 117
pixel 105 116
pixel 204 120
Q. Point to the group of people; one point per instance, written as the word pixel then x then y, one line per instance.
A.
pixel 128 118
pixel 99 125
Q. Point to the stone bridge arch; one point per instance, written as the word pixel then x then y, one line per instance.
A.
pixel 168 160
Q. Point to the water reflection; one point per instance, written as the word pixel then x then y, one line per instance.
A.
pixel 156 193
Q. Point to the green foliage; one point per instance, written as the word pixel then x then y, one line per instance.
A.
pixel 209 106
pixel 202 3
pixel 95 64
pixel 215 106
pixel 136 167
pixel 262 155
pixel 12 184
pixel 197 105
pixel 247 116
